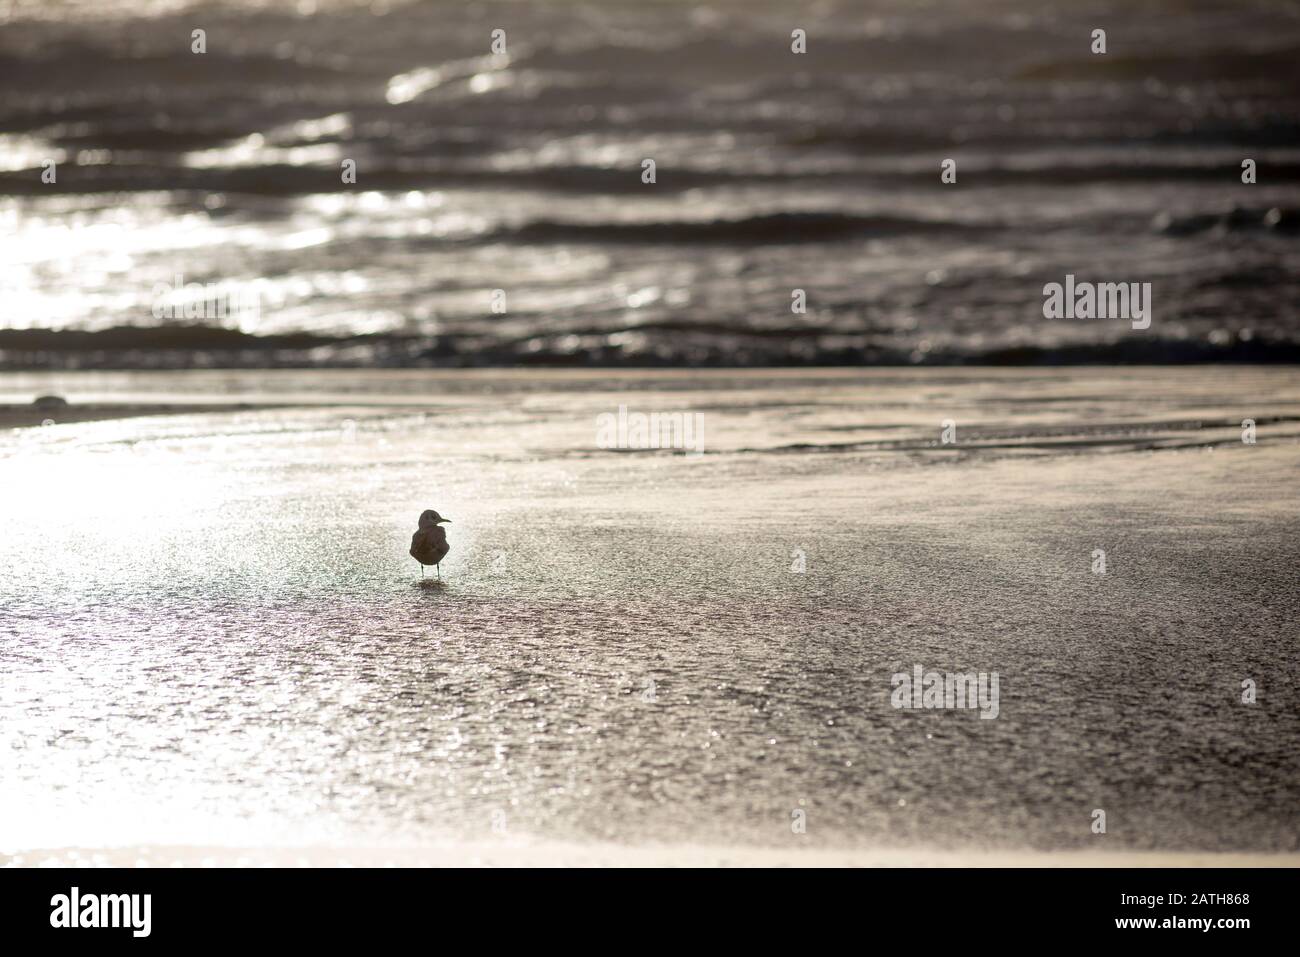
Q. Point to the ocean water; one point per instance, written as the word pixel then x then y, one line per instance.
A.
pixel 521 173
pixel 212 635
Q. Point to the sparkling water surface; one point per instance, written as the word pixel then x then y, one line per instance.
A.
pixel 521 172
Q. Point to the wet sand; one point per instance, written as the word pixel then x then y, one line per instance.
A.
pixel 15 415
pixel 215 638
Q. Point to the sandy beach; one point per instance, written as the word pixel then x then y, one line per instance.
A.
pixel 216 646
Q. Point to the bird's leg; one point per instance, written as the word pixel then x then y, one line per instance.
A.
pixel 439 567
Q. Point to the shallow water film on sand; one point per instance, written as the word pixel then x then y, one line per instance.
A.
pixel 213 635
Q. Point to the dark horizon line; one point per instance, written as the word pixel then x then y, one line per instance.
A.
pixel 199 347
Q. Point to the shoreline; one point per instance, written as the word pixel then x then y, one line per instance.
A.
pixel 172 347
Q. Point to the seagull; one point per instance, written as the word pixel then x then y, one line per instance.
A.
pixel 429 544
